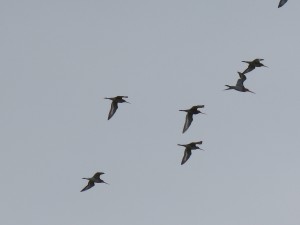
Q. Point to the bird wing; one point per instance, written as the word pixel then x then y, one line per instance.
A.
pixel 186 156
pixel 249 68
pixel 188 121
pixel 197 143
pixel 97 175
pixel 242 76
pixel 281 3
pixel 113 109
pixel 240 82
pixel 199 106
pixel 88 186
pixel 121 96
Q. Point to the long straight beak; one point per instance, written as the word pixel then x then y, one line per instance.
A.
pixel 128 102
pixel 251 92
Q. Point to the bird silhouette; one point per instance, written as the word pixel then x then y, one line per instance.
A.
pixel 189 116
pixel 239 84
pixel 282 2
pixel 93 180
pixel 188 150
pixel 114 104
pixel 253 64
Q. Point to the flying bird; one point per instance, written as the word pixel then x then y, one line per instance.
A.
pixel 189 116
pixel 253 64
pixel 282 2
pixel 188 150
pixel 114 104
pixel 239 84
pixel 93 180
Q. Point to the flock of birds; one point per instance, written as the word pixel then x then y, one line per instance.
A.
pixel 240 83
pixel 194 110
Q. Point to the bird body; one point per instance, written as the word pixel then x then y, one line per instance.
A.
pixel 114 104
pixel 189 116
pixel 239 84
pixel 281 3
pixel 253 64
pixel 188 150
pixel 92 180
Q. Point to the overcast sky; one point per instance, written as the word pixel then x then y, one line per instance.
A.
pixel 59 59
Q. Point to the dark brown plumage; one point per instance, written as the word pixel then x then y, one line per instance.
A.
pixel 189 116
pixel 114 104
pixel 253 64
pixel 188 150
pixel 93 180
pixel 239 84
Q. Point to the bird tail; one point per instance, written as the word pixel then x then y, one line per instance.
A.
pixel 228 87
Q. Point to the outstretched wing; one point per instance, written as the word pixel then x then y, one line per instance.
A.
pixel 240 82
pixel 197 143
pixel 281 3
pixel 186 156
pixel 90 185
pixel 258 60
pixel 97 175
pixel 249 68
pixel 242 76
pixel 188 121
pixel 121 96
pixel 113 109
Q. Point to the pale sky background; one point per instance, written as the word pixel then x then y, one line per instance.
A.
pixel 59 59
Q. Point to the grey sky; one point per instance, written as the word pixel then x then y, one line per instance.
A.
pixel 59 59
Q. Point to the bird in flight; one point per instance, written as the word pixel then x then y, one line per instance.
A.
pixel 239 84
pixel 189 116
pixel 253 64
pixel 188 150
pixel 282 2
pixel 114 104
pixel 93 180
